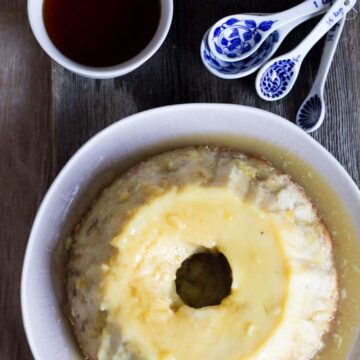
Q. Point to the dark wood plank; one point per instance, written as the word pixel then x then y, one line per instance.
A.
pixel 341 131
pixel 25 160
pixel 176 75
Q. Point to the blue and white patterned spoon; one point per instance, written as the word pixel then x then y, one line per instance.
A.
pixel 236 37
pixel 247 66
pixel 311 113
pixel 276 78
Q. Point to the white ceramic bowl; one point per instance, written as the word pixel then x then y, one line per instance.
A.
pixel 113 149
pixel 35 14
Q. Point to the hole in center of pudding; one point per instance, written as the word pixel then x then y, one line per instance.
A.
pixel 204 279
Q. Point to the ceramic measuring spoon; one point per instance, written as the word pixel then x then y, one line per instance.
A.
pixel 276 78
pixel 311 114
pixel 247 66
pixel 236 37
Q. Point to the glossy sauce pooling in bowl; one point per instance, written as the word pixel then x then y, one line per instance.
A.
pixel 345 237
pixel 101 33
pixel 339 342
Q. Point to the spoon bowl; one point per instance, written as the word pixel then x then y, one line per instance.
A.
pixel 277 78
pixel 247 66
pixel 311 113
pixel 241 68
pixel 236 37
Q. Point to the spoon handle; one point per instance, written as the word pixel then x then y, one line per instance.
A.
pixel 338 10
pixel 331 43
pixel 306 8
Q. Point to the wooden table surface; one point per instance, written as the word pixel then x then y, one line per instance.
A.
pixel 47 113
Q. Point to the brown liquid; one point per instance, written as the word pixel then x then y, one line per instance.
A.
pixel 101 32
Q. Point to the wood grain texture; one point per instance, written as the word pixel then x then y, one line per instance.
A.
pixel 46 114
pixel 25 160
pixel 176 75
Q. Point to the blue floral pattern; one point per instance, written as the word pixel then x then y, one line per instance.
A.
pixel 309 113
pixel 240 66
pixel 276 79
pixel 236 37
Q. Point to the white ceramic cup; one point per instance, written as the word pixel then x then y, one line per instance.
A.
pixel 35 13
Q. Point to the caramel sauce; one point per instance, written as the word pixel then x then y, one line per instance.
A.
pixel 101 33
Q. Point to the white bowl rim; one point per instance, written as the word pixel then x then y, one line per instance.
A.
pixel 282 122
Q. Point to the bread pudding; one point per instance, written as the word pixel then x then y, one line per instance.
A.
pixel 139 257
